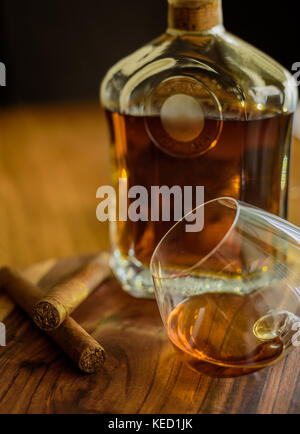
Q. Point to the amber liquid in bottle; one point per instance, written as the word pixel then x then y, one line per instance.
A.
pixel 245 163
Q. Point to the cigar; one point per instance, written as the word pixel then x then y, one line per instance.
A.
pixel 50 312
pixel 82 348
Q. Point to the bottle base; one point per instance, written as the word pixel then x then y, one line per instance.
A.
pixel 133 276
pixel 136 280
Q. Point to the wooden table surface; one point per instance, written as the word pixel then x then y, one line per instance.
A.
pixel 52 160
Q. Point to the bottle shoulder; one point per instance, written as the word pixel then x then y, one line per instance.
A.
pixel 234 71
pixel 253 69
pixel 120 73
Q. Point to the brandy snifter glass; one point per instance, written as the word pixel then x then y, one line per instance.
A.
pixel 229 294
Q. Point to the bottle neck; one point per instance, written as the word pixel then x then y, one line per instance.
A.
pixel 194 16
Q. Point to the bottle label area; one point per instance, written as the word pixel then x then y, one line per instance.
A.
pixel 184 118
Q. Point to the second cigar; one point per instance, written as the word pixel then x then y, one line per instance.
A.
pixel 62 299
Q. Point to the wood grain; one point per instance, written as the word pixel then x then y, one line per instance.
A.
pixel 141 374
pixel 52 161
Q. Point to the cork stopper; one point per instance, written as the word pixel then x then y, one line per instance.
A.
pixel 195 15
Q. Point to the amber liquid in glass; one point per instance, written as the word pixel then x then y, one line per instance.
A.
pixel 245 163
pixel 214 334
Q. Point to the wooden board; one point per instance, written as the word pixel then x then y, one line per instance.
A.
pixel 141 373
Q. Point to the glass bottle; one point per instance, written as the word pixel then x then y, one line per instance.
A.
pixel 195 107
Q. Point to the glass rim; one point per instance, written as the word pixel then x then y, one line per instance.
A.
pixel 211 252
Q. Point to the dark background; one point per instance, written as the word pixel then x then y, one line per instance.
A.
pixel 58 50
